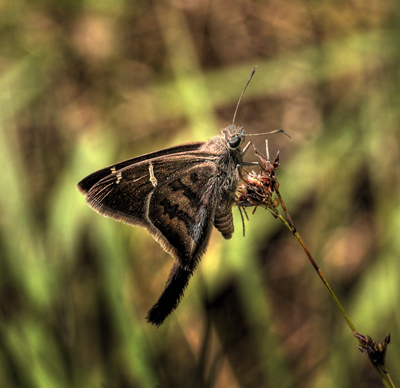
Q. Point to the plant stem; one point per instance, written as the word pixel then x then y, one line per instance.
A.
pixel 385 377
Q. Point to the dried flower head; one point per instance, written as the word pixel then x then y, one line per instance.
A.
pixel 258 188
pixel 376 351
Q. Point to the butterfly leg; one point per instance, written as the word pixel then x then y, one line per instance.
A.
pixel 245 150
pixel 246 147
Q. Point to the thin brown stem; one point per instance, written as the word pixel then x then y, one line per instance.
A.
pixel 385 377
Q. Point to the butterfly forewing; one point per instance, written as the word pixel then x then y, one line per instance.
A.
pixel 85 184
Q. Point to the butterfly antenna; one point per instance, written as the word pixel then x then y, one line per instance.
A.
pixel 240 98
pixel 269 133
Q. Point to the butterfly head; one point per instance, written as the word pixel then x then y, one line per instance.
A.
pixel 234 136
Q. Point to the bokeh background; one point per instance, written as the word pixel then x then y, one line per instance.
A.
pixel 84 84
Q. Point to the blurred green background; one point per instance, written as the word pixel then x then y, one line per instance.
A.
pixel 84 84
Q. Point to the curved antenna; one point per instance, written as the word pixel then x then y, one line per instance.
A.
pixel 269 133
pixel 240 98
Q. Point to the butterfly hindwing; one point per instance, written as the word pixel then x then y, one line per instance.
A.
pixel 183 209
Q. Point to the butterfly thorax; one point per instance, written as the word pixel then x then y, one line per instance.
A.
pixel 227 159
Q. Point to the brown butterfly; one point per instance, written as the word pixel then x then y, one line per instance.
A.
pixel 177 194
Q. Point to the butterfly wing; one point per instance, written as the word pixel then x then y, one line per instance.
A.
pixel 85 184
pixel 176 200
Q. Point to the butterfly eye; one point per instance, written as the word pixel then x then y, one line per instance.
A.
pixel 235 141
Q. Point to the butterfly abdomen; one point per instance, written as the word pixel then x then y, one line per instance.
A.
pixel 224 223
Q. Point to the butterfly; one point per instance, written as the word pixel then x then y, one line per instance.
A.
pixel 177 194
